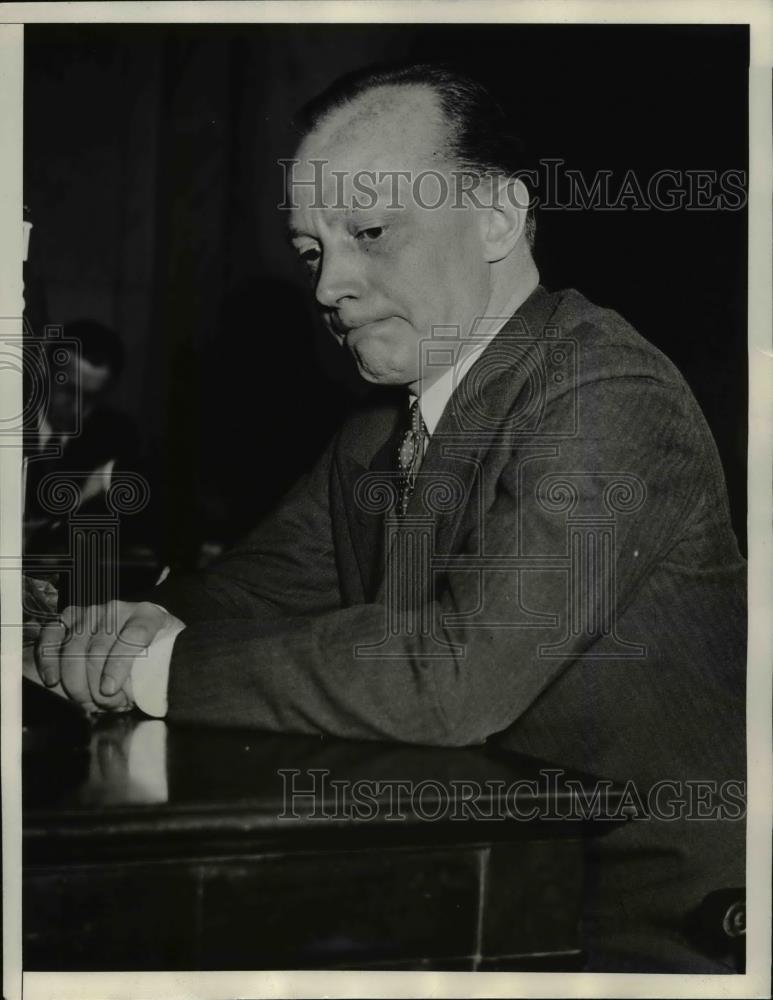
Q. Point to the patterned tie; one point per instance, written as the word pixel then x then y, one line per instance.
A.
pixel 409 457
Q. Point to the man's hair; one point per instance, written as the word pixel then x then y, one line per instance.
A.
pixel 480 136
pixel 99 344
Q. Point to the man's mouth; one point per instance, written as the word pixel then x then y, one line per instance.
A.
pixel 346 330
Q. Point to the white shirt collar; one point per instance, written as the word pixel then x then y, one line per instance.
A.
pixel 435 398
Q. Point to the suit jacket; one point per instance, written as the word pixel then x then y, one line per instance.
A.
pixel 107 435
pixel 585 602
pixel 105 452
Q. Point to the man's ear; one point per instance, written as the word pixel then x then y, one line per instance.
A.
pixel 503 220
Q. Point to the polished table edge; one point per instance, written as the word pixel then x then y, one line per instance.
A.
pixel 219 792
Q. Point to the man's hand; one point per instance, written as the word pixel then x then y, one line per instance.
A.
pixel 90 651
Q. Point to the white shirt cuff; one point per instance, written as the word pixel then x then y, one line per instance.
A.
pixel 150 673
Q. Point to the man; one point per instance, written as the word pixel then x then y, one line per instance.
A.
pixel 78 433
pixel 80 443
pixel 581 594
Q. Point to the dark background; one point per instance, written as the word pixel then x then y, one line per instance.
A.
pixel 151 177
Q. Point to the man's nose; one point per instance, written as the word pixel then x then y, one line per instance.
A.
pixel 340 278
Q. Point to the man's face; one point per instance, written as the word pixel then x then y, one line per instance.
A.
pixel 83 387
pixel 385 273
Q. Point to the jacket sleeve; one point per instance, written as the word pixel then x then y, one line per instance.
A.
pixel 284 569
pixel 307 675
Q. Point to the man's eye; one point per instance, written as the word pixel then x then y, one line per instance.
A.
pixel 370 234
pixel 310 255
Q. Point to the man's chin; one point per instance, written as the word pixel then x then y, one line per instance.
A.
pixel 379 370
pixel 383 376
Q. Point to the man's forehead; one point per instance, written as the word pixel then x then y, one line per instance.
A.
pixel 388 128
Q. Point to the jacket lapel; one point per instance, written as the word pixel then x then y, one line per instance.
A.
pixel 374 461
pixel 481 415
pixel 499 392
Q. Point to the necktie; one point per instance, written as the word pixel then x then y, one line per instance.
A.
pixel 409 457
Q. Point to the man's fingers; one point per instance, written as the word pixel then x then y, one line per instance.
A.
pixel 71 615
pixel 90 651
pixel 74 651
pixel 95 665
pixel 48 649
pixel 104 624
pixel 136 635
pixel 98 651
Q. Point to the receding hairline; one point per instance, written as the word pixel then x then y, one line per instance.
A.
pixel 475 132
pixel 363 108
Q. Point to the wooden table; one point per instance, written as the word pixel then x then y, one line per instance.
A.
pixel 158 847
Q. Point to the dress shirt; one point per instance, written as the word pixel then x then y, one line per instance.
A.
pixel 150 672
pixel 98 480
pixel 434 398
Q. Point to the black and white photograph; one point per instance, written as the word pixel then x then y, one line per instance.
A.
pixel 386 489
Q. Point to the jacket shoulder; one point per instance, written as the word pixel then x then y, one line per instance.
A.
pixel 608 346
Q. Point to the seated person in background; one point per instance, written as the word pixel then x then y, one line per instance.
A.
pixel 79 437
pixel 628 664
pixel 79 400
